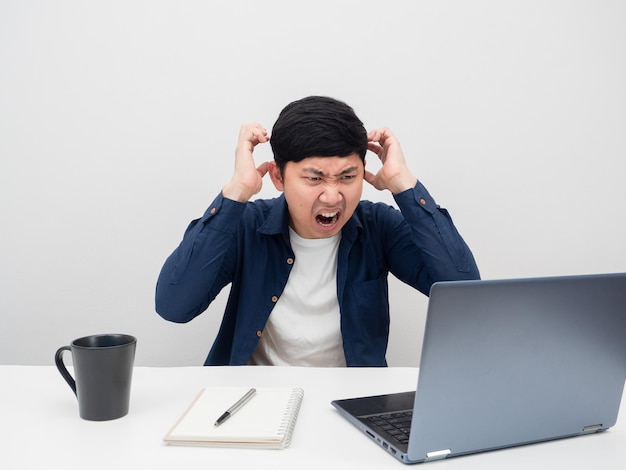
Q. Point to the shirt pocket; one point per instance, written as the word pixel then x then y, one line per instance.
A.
pixel 372 307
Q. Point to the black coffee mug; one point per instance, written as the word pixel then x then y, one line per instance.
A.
pixel 103 367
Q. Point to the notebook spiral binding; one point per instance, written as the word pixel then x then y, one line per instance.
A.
pixel 290 416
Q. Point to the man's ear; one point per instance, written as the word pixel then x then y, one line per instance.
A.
pixel 276 176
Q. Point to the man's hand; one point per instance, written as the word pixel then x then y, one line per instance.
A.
pixel 247 178
pixel 394 174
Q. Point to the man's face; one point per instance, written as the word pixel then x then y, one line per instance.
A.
pixel 321 192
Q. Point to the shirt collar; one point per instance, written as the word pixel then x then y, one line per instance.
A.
pixel 277 221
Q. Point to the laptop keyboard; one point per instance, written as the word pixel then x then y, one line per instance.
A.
pixel 397 425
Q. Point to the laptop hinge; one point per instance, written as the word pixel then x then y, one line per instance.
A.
pixel 592 428
pixel 437 455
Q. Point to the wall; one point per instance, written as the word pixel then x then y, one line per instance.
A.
pixel 118 121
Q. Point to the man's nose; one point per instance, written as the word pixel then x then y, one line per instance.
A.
pixel 331 194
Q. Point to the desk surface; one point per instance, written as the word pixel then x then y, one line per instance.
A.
pixel 41 428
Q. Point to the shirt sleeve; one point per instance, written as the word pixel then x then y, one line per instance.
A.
pixel 445 254
pixel 198 269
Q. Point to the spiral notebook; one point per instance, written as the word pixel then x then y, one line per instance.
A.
pixel 266 421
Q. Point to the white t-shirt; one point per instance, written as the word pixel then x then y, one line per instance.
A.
pixel 304 326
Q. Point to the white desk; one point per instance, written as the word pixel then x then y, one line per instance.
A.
pixel 40 426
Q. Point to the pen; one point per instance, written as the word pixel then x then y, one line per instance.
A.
pixel 233 409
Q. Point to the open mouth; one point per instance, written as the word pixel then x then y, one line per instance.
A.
pixel 327 218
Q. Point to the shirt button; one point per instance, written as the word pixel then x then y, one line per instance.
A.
pixel 423 202
pixel 274 299
pixel 289 260
pixel 259 333
pixel 213 210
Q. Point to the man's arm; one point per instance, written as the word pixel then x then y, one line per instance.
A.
pixel 203 263
pixel 445 254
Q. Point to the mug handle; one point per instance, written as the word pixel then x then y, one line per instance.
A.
pixel 58 360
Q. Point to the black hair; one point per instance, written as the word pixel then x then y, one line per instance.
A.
pixel 317 126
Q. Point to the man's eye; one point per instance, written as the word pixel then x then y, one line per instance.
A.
pixel 347 177
pixel 314 179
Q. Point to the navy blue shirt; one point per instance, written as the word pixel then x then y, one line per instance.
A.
pixel 247 245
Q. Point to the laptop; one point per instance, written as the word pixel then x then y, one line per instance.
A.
pixel 506 363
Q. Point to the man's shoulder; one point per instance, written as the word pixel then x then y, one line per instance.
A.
pixel 376 214
pixel 268 215
pixel 367 207
pixel 264 205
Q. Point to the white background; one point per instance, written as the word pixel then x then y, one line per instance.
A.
pixel 119 118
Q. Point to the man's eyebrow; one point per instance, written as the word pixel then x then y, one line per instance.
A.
pixel 350 169
pixel 315 171
pixel 318 172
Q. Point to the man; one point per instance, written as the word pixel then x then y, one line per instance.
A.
pixel 308 270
